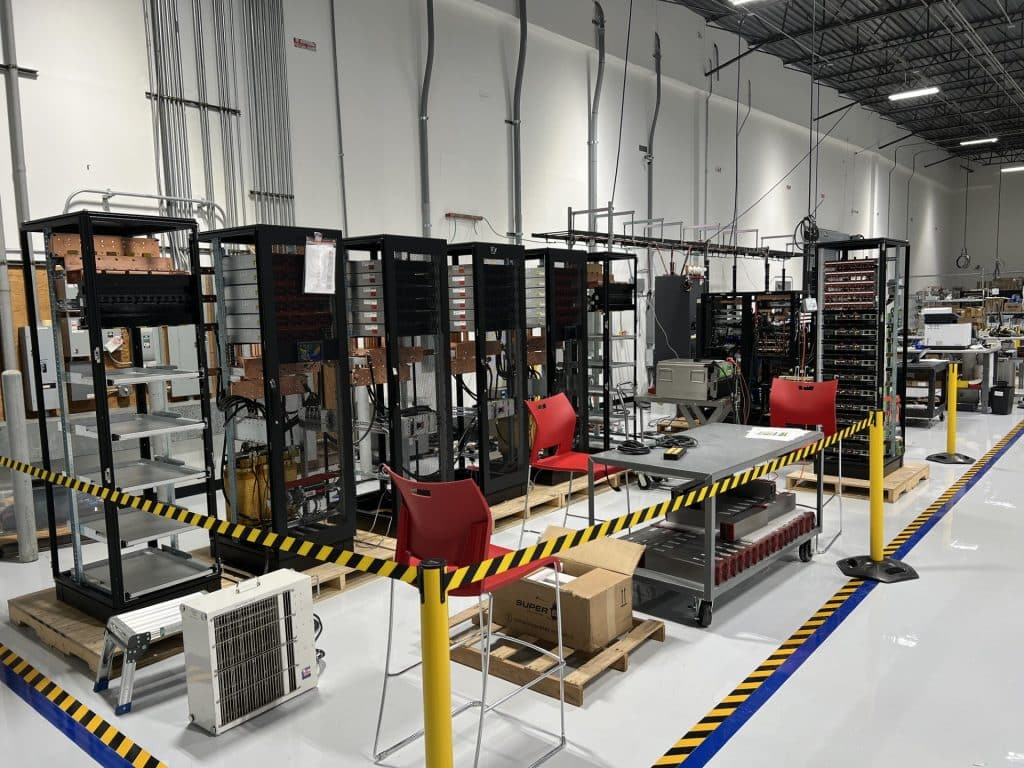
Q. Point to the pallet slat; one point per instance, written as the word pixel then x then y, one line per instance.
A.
pixel 897 483
pixel 548 498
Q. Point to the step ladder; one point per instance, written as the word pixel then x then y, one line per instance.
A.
pixel 132 633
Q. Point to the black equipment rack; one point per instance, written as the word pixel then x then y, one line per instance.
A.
pixel 396 288
pixel 287 457
pixel 487 315
pixel 139 569
pixel 762 331
pixel 864 306
pixel 556 322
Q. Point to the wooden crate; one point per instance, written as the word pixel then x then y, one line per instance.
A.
pixel 548 498
pixel 521 665
pixel 69 631
pixel 897 483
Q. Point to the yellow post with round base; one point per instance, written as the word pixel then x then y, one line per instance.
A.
pixel 437 680
pixel 950 455
pixel 876 566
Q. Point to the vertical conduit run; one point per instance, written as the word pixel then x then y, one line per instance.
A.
pixel 517 150
pixel 13 113
pixel 592 124
pixel 204 114
pixel 424 103
pixel 712 65
pixel 650 149
pixel 337 105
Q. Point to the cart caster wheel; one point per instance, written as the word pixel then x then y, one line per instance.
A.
pixel 704 614
pixel 806 552
pixel 643 482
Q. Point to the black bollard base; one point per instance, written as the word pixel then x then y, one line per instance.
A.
pixel 950 458
pixel 886 570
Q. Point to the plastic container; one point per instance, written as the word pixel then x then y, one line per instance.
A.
pixel 1000 399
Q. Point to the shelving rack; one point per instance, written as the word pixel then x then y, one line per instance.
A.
pixel 556 313
pixel 863 341
pixel 143 564
pixel 612 349
pixel 487 313
pixel 287 457
pixel 400 348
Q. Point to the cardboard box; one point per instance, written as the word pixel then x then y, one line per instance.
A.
pixel 597 603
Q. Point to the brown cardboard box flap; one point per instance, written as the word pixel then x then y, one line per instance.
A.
pixel 611 554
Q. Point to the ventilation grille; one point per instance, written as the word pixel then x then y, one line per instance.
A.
pixel 255 656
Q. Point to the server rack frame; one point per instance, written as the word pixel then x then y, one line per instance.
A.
pixel 488 260
pixel 262 239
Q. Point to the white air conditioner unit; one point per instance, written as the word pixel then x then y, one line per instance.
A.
pixel 248 648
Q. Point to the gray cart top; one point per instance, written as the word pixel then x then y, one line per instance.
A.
pixel 722 450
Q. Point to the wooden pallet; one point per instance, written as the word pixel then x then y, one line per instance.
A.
pixel 9 541
pixel 548 498
pixel 521 665
pixel 329 579
pixel 69 631
pixel 897 483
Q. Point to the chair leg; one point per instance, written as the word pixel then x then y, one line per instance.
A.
pixel 561 656
pixel 568 501
pixel 526 507
pixel 377 755
pixel 485 663
pixel 629 504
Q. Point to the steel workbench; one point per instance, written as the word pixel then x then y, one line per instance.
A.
pixel 722 450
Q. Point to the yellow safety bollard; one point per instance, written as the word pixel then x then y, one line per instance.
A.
pixel 876 478
pixel 437 679
pixel 950 455
pixel 876 566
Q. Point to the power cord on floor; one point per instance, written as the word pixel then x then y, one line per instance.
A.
pixel 318 629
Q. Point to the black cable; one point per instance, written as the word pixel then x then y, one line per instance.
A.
pixel 632 448
pixel 318 629
pixel 676 441
pixel 622 106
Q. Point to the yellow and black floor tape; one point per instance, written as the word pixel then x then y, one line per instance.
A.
pixel 704 732
pixel 105 743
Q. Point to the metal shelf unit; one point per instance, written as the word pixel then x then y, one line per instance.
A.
pixel 863 341
pixel 400 347
pixel 612 351
pixel 487 313
pixel 287 456
pixel 168 294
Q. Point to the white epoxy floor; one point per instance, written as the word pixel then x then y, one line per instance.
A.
pixel 942 650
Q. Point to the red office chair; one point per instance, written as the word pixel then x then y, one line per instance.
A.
pixel 452 521
pixel 810 404
pixel 554 420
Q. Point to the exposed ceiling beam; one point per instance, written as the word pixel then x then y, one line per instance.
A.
pixel 821 29
pixel 833 56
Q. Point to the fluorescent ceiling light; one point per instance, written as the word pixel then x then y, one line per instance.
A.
pixel 741 2
pixel 1013 169
pixel 978 141
pixel 929 91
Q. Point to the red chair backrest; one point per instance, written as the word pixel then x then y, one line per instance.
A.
pixel 804 404
pixel 555 422
pixel 450 521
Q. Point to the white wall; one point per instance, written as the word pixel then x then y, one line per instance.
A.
pixel 88 123
pixel 986 218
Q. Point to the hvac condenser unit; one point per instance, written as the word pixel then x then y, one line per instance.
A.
pixel 248 649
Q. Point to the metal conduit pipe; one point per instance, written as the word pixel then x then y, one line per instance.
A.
pixel 424 103
pixel 201 90
pixel 595 103
pixel 337 105
pixel 517 150
pixel 285 126
pixel 707 125
pixel 269 143
pixel 650 146
pixel 236 132
pixel 108 194
pixel 888 189
pixel 154 103
pixel 226 119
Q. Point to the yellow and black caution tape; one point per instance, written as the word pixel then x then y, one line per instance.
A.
pixel 475 573
pixel 702 731
pixel 256 536
pixel 68 713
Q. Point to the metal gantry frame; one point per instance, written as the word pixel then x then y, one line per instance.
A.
pixel 130 577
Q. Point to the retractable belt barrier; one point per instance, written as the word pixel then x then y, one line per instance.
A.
pixel 256 536
pixel 460 577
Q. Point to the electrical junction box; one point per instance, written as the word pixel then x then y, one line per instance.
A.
pixel 694 379
pixel 47 364
pixel 181 352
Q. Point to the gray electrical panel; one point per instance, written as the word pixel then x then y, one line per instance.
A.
pixel 47 365
pixel 181 352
